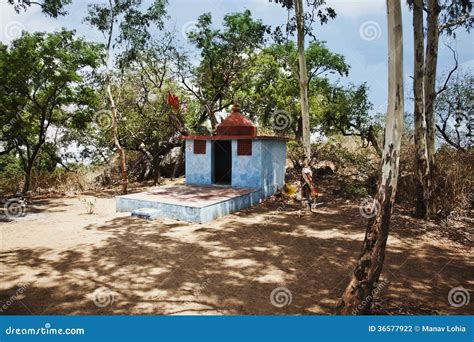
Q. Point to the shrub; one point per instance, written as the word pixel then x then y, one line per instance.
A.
pixel 454 181
pixel 453 184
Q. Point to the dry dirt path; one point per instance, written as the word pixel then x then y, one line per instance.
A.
pixel 60 260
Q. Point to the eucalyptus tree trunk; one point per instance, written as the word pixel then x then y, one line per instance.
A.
pixel 113 108
pixel 431 61
pixel 120 150
pixel 303 81
pixel 358 295
pixel 423 181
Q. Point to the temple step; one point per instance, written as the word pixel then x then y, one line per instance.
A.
pixel 146 213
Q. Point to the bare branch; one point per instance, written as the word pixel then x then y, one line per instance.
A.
pixel 445 86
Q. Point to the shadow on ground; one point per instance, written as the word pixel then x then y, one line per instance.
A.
pixel 228 266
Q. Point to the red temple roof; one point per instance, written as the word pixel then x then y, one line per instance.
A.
pixel 236 125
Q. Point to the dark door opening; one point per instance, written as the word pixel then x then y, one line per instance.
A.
pixel 223 162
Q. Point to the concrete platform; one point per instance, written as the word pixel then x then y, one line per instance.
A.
pixel 188 203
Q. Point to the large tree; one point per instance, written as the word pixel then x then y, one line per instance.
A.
pixel 357 297
pixel 422 167
pixel 152 124
pixel 225 55
pixel 346 111
pixel 443 17
pixel 127 30
pixel 301 23
pixel 272 87
pixel 41 86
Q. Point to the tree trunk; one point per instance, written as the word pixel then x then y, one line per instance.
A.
pixel 373 141
pixel 178 162
pixel 148 157
pixel 431 61
pixel 27 178
pixel 29 162
pixel 421 153
pixel 358 295
pixel 303 80
pixel 121 152
pixel 156 170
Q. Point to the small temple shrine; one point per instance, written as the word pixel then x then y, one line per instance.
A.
pixel 226 172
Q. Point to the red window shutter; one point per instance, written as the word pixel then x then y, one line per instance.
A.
pixel 244 147
pixel 199 146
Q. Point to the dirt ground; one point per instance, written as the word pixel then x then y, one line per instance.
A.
pixel 61 260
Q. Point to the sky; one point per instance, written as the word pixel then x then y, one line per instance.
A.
pixel 358 32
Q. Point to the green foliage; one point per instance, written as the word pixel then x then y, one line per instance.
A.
pixel 357 168
pixel 225 55
pixel 315 11
pixel 455 14
pixel 272 86
pixel 43 85
pixel 53 8
pixel 346 111
pixel 11 173
pixel 126 26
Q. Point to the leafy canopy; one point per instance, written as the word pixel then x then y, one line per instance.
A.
pixel 43 84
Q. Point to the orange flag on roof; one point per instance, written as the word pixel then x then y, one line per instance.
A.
pixel 173 100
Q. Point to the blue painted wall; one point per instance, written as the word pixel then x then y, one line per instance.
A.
pixel 247 170
pixel 191 214
pixel 273 166
pixel 198 166
pixel 264 169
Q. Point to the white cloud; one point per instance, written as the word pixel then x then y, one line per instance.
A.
pixel 12 23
